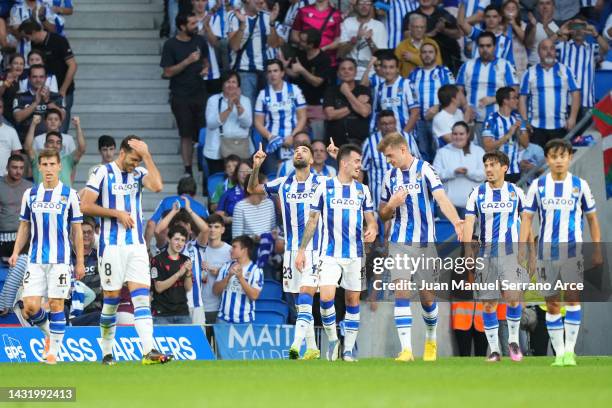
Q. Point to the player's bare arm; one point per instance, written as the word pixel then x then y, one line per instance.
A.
pixel 595 237
pixel 372 227
pixel 23 235
pixel 79 267
pixel 258 158
pixel 449 210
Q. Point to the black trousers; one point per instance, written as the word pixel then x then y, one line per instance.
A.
pixel 465 339
pixel 542 136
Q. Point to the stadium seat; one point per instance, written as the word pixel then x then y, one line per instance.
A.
pixel 271 304
pixel 200 150
pixel 214 180
pixel 271 290
pixel 269 317
pixel 603 83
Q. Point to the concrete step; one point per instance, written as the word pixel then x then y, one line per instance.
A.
pixel 103 108
pixel 171 173
pixel 149 135
pixel 119 71
pixel 81 2
pixel 116 34
pixel 137 121
pixel 123 83
pixel 156 147
pixel 122 7
pixel 167 158
pixel 119 59
pixel 96 46
pixel 116 20
pixel 121 96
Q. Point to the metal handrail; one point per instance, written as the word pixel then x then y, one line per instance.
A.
pixel 523 182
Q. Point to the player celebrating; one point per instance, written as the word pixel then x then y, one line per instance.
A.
pixel 498 205
pixel 406 200
pixel 114 193
pixel 343 203
pixel 295 193
pixel 560 199
pixel 48 211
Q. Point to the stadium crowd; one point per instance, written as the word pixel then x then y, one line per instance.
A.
pixel 456 78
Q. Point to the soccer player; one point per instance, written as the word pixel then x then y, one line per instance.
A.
pixel 295 193
pixel 396 94
pixel 497 204
pixel 342 203
pixel 561 199
pixel 504 130
pixel 113 193
pixel 407 198
pixel 48 212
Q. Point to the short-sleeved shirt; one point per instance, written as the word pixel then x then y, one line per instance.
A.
pixel 496 126
pixel 236 307
pixel 280 108
pixel 172 301
pixel 361 51
pixel 167 203
pixel 427 82
pixel 10 203
pixel 229 199
pixel 24 99
pixel 398 97
pixel 188 82
pixel 319 66
pixel 353 127
pixel 57 51
pixel 253 57
pixel 311 17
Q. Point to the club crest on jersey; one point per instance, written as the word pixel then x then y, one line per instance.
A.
pixel 575 192
pixel 419 176
pixel 63 200
pixel 512 195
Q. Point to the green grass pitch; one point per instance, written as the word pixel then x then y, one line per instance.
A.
pixel 449 382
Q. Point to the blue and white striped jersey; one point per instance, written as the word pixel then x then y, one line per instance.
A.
pixel 394 18
pixel 498 211
pixel 236 307
pixel 581 61
pixel 296 197
pixel 253 57
pixel 375 81
pixel 58 19
pixel 118 190
pixel 397 97
pixel 213 65
pixel 20 12
pixel 547 92
pixel 503 43
pixel 426 82
pixel 342 208
pixel 414 221
pixel 280 108
pixel 195 251
pixel 50 214
pixel 481 79
pixel 496 126
pixel 474 6
pixel 560 205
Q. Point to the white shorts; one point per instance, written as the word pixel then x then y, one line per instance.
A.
pixel 293 279
pixel 119 264
pixel 352 272
pixel 51 281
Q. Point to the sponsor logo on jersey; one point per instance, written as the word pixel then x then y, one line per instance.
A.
pixel 345 203
pixel 558 203
pixel 300 197
pixel 48 207
pixel 410 187
pixel 490 207
pixel 124 189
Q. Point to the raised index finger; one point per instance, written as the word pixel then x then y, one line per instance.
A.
pixel 260 147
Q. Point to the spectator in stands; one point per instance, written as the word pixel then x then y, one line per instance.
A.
pixel 35 57
pixel 540 28
pixel 480 77
pixel 311 70
pixel 451 100
pixel 280 113
pixel 9 85
pixel 579 55
pixel 230 163
pixel 566 9
pixel 547 87
pixel 59 61
pixel 326 19
pixel 209 26
pixel 504 130
pixel 250 30
pixel 459 165
pixel 186 190
pixel 107 148
pixel 392 13
pixel 54 141
pixel 184 60
pixel 215 255
pixel 493 23
pixel 239 283
pixel 34 11
pixel 442 27
pixel 53 123
pixel 171 275
pixel 230 198
pixel 229 117
pixel 9 142
pixel 254 215
pixel 529 158
pixel 91 313
pixel 36 100
pixel 347 107
pixel 516 29
pixel 361 36
pixel 408 52
pixel 427 81
pixel 12 187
